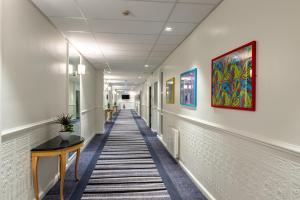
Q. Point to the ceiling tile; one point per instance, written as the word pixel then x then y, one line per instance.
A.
pixel 180 28
pixel 190 12
pixel 127 62
pixel 170 39
pixel 131 27
pixel 125 38
pixel 67 24
pixel 127 53
pixel 164 47
pixel 162 0
pixel 213 2
pixel 86 45
pixel 58 8
pixel 126 46
pixel 160 53
pixel 112 9
pixel 132 67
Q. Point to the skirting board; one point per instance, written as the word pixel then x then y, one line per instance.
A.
pixel 204 191
pixel 153 130
pixel 145 121
pixel 55 179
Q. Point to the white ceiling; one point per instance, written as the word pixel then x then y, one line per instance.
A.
pixel 102 34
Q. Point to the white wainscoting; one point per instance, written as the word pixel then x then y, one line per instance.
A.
pixel 231 166
pixel 145 114
pixel 88 123
pixel 15 168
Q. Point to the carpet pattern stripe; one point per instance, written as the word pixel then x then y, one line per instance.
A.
pixel 125 169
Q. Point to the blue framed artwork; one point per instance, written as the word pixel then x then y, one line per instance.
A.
pixel 188 88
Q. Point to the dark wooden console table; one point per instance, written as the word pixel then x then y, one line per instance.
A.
pixel 56 147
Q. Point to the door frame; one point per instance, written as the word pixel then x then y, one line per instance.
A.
pixel 150 106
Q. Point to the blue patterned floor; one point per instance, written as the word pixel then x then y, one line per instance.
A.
pixel 177 182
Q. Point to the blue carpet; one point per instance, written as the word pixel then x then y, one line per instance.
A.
pixel 126 169
pixel 177 182
pixel 91 151
pixel 176 178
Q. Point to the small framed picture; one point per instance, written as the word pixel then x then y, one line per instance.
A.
pixel 188 88
pixel 170 91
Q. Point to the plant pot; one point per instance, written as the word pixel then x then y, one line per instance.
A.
pixel 65 135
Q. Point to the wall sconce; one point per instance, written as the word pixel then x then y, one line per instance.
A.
pixel 71 69
pixel 81 69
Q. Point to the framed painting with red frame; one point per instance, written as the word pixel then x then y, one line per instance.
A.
pixel 233 79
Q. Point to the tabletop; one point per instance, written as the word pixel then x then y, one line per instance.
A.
pixel 57 143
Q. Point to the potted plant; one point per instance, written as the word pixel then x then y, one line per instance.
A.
pixel 108 105
pixel 66 125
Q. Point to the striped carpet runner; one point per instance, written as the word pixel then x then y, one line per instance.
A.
pixel 125 169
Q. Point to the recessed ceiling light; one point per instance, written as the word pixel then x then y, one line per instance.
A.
pixel 146 65
pixel 168 29
pixel 109 72
pixel 139 77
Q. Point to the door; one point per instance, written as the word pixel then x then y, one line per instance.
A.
pixel 150 106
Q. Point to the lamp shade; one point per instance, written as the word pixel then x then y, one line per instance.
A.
pixel 81 69
pixel 71 69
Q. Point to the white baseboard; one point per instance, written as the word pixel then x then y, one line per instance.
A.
pixel 204 191
pixel 43 193
pixel 161 140
pixel 153 130
pixel 145 121
pixel 200 186
pixel 100 132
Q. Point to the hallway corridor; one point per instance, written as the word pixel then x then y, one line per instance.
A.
pixel 149 100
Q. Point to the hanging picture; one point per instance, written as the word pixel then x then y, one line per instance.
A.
pixel 233 79
pixel 170 91
pixel 188 88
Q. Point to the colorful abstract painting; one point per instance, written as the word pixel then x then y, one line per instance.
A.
pixel 188 88
pixel 233 78
pixel 170 91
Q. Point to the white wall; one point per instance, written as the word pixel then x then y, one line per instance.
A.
pixel 88 101
pixel 34 91
pixel 1 2
pixel 238 154
pixel 99 102
pixel 129 103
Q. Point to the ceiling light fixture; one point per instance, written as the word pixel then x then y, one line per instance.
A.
pixel 146 65
pixel 139 77
pixel 126 12
pixel 107 68
pixel 168 29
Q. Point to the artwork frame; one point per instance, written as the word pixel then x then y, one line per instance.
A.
pixel 237 88
pixel 170 91
pixel 188 88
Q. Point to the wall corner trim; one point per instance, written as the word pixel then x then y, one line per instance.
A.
pixel 268 142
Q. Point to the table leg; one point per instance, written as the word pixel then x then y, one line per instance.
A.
pixel 76 164
pixel 63 160
pixel 34 162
